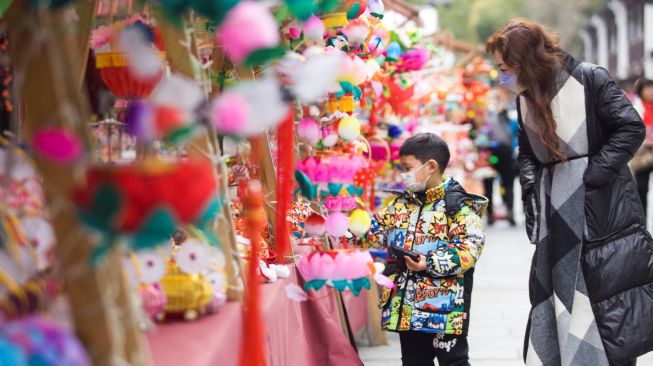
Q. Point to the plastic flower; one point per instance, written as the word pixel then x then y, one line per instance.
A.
pixel 413 60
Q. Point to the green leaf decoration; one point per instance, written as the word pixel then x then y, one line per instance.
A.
pixel 264 55
pixel 214 10
pixel 377 15
pixel 174 10
pixel 106 204
pixel 335 188
pixel 314 284
pixel 301 9
pixel 346 86
pixel 204 223
pixel 157 229
pixel 181 134
pixel 281 13
pixel 353 11
pixel 308 189
pixel 4 6
pixel 340 285
pixel 358 93
pixel 355 191
pixel 358 284
pixel 327 6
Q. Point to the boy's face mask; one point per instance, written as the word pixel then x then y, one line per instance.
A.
pixel 410 180
pixel 509 81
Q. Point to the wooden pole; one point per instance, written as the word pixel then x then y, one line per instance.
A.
pixel 47 62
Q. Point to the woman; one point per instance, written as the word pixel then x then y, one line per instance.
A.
pixel 591 284
pixel 642 163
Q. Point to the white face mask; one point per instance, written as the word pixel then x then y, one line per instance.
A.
pixel 410 180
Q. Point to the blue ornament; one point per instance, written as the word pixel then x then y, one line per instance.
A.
pixel 393 52
pixel 394 131
pixel 11 354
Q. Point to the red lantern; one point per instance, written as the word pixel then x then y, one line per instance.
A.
pixel 116 75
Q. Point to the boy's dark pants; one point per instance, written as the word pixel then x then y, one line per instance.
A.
pixel 420 349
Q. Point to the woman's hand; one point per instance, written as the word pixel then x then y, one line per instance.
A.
pixel 416 266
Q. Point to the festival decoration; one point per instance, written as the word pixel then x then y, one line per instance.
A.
pixel 314 30
pixel 58 145
pixel 359 222
pixel 39 341
pixel 128 56
pixel 250 34
pixel 340 269
pixel 144 201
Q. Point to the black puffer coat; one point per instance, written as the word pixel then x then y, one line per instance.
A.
pixel 617 249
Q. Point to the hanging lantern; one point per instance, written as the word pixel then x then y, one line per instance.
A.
pixel 145 201
pixel 119 79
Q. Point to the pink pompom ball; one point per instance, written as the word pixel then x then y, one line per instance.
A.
pixel 337 224
pixel 249 26
pixel 308 131
pixel 229 113
pixel 58 145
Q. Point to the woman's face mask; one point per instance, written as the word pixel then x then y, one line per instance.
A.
pixel 410 180
pixel 509 81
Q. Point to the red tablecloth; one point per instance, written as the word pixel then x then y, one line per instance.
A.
pixel 302 334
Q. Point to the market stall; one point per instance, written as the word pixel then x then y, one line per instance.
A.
pixel 191 182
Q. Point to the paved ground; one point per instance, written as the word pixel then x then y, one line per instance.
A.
pixel 500 305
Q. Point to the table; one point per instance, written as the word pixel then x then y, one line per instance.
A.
pixel 297 334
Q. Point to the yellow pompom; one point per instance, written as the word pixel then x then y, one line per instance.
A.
pixel 359 222
pixel 349 128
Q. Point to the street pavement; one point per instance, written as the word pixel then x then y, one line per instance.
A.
pixel 500 305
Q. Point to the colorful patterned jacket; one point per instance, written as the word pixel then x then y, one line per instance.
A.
pixel 448 229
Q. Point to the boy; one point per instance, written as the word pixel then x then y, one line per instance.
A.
pixel 438 219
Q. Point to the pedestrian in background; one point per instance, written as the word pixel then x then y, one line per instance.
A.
pixel 502 128
pixel 642 163
pixel 591 287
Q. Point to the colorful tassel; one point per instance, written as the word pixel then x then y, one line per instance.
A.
pixel 285 169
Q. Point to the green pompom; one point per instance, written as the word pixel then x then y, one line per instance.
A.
pixel 264 55
pixel 301 9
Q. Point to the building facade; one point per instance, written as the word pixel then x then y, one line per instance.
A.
pixel 619 37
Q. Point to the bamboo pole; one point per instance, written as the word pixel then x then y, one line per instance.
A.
pixel 47 60
pixel 180 47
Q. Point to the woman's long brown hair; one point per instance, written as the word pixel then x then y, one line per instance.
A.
pixel 536 56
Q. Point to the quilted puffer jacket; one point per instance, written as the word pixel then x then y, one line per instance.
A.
pixel 445 226
pixel 617 249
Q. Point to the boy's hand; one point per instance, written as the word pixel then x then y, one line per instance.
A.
pixel 416 266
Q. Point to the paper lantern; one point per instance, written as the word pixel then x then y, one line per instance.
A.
pixel 349 128
pixel 249 26
pixel 337 224
pixel 308 131
pixel 117 76
pixel 359 222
